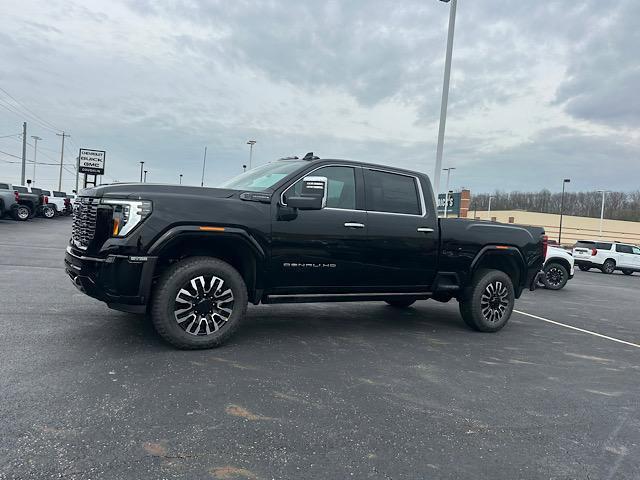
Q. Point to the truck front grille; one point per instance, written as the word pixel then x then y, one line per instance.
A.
pixel 83 230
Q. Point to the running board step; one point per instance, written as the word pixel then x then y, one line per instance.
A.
pixel 341 297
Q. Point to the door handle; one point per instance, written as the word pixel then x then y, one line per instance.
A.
pixel 354 225
pixel 425 230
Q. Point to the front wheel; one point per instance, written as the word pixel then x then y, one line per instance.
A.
pixel 21 213
pixel 486 305
pixel 199 303
pixel 627 272
pixel 608 267
pixel 555 276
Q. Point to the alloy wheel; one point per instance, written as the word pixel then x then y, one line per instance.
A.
pixel 203 305
pixel 554 276
pixel 23 213
pixel 494 302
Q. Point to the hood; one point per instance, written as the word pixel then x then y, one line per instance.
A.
pixel 145 191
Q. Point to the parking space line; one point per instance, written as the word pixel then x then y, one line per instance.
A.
pixel 595 334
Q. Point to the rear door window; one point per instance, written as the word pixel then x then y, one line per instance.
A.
pixel 391 193
pixel 624 249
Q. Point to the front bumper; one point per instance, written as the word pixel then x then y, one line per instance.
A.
pixel 122 282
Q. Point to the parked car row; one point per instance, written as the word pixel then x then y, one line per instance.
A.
pixel 607 256
pixel 24 202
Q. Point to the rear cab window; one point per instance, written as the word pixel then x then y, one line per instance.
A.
pixel 21 189
pixel 388 192
pixel 4 186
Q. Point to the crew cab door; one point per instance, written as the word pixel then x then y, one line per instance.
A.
pixel 320 249
pixel 402 246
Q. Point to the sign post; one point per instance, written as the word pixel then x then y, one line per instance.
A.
pixel 91 162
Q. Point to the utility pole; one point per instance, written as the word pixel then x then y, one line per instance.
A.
pixel 35 154
pixel 565 181
pixel 490 198
pixel 77 171
pixel 61 158
pixel 446 198
pixel 604 192
pixel 204 162
pixel 251 143
pixel 145 176
pixel 141 166
pixel 445 94
pixel 24 153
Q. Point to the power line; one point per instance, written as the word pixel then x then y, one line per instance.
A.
pixel 33 114
pixel 14 135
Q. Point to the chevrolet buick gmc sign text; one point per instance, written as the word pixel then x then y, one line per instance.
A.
pixel 91 161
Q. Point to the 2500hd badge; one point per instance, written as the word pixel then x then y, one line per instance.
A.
pixel 358 232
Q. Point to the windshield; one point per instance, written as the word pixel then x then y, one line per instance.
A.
pixel 263 177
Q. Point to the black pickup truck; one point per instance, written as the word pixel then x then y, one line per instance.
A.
pixel 294 230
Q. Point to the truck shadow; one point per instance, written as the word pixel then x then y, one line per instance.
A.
pixel 316 323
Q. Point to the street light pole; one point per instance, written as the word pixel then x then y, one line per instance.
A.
pixel 566 180
pixel 145 176
pixel 604 192
pixel 251 143
pixel 141 167
pixel 489 213
pixel 445 93
pixel 446 198
pixel 180 179
pixel 35 154
pixel 204 163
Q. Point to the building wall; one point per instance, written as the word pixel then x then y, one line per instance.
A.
pixel 573 228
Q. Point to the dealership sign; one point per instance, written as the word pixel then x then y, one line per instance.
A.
pixel 91 161
pixel 453 203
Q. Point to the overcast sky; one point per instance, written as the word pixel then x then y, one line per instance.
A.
pixel 540 90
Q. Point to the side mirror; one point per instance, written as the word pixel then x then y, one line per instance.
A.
pixel 313 195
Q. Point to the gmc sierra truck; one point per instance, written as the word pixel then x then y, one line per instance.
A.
pixel 294 230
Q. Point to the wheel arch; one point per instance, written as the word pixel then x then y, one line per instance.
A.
pixel 506 259
pixel 562 261
pixel 231 245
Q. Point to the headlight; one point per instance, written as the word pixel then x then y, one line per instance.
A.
pixel 127 214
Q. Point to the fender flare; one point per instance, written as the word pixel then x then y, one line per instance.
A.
pixel 199 230
pixel 502 250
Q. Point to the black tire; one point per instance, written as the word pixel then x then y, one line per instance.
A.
pixel 486 305
pixel 608 267
pixel 400 302
pixel 627 272
pixel 584 268
pixel 165 307
pixel 555 276
pixel 48 212
pixel 21 213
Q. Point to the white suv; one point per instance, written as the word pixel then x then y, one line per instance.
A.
pixel 607 256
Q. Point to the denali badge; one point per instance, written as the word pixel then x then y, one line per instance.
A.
pixel 309 265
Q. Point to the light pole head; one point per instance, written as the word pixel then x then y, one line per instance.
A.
pixel 251 142
pixel 567 180
pixel 35 137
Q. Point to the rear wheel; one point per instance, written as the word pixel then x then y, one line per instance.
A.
pixel 400 302
pixel 608 266
pixel 48 212
pixel 199 303
pixel 627 272
pixel 555 276
pixel 584 268
pixel 486 305
pixel 21 213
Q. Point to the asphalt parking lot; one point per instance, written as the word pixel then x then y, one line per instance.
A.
pixel 321 391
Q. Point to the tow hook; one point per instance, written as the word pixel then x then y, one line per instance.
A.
pixel 538 278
